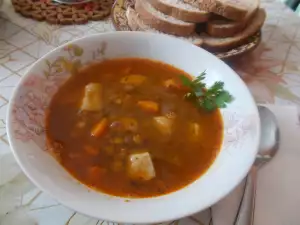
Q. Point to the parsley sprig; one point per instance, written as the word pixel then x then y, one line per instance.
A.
pixel 204 97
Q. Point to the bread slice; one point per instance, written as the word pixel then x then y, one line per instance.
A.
pixel 210 43
pixel 235 10
pixel 136 24
pixel 222 27
pixel 161 21
pixel 221 44
pixel 180 10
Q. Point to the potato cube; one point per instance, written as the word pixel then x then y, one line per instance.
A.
pixel 140 167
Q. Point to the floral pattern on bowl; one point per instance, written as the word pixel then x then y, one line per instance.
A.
pixel 30 106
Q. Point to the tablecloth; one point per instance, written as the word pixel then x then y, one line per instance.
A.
pixel 277 201
pixel 272 73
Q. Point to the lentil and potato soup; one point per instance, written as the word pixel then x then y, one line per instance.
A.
pixel 122 127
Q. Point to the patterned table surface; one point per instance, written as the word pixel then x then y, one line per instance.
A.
pixel 271 72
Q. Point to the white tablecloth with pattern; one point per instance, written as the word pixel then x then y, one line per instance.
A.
pixel 272 73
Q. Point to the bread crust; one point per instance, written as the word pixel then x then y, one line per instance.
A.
pixel 136 24
pixel 231 9
pixel 188 15
pixel 164 25
pixel 222 44
pixel 223 28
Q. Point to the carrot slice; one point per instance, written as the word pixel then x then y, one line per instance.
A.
pixel 100 128
pixel 148 106
pixel 133 79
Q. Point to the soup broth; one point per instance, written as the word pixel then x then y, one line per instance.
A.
pixel 122 127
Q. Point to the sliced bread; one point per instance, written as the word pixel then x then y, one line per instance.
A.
pixel 180 10
pixel 221 27
pixel 161 21
pixel 219 44
pixel 136 24
pixel 235 10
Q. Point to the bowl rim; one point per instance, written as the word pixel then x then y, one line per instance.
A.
pixel 151 220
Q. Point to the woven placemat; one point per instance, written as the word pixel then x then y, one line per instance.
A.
pixel 64 14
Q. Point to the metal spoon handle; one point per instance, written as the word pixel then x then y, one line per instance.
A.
pixel 245 214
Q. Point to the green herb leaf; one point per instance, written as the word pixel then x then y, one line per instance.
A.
pixel 206 98
pixel 201 77
pixel 186 81
pixel 199 93
pixel 208 104
pixel 217 86
pixel 223 98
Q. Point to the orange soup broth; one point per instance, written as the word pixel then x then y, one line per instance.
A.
pixel 101 163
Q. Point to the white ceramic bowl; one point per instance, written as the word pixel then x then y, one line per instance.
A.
pixel 26 128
